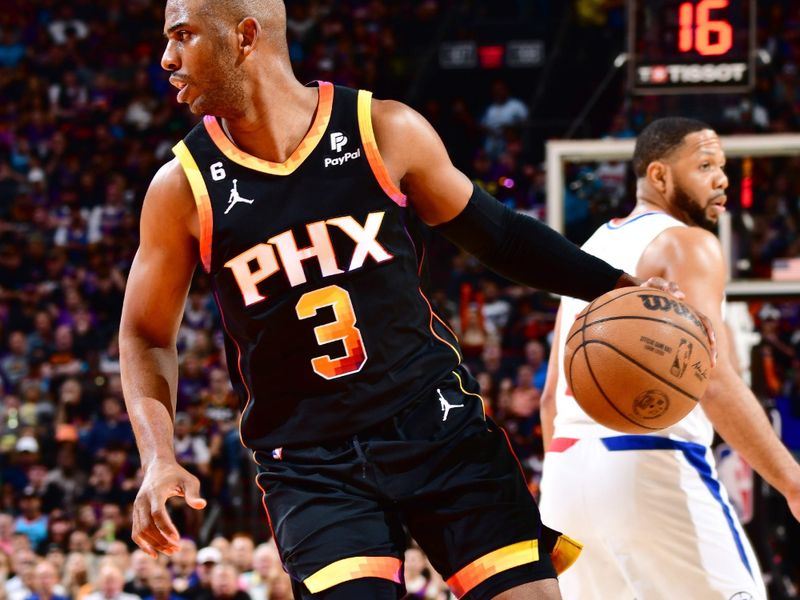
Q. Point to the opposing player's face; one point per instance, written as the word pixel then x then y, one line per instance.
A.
pixel 699 181
pixel 201 57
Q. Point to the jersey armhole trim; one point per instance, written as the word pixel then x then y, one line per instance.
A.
pixel 371 149
pixel 201 199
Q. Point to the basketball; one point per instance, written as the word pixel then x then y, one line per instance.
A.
pixel 637 360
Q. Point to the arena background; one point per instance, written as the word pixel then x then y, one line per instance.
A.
pixel 86 118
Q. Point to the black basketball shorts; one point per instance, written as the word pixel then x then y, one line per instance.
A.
pixel 441 469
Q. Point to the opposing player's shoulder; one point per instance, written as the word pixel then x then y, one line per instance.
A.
pixel 688 242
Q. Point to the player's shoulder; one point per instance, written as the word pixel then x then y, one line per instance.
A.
pixel 693 245
pixel 406 140
pixel 688 237
pixel 395 117
pixel 170 194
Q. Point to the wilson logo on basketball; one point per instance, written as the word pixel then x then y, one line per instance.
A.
pixel 662 304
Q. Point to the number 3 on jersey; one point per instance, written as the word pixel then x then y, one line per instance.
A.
pixel 343 329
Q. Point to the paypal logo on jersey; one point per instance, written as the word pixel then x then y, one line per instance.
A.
pixel 336 162
pixel 338 141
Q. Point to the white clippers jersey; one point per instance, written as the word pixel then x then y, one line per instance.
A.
pixel 621 243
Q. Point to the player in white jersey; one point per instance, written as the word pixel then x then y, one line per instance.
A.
pixel 653 517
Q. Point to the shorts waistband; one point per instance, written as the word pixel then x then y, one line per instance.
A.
pixel 630 442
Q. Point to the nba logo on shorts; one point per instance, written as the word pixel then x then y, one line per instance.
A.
pixel 277 454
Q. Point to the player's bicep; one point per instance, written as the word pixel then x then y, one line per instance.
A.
pixel 415 152
pixel 164 264
pixel 696 263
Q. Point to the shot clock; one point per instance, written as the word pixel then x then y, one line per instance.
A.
pixel 691 46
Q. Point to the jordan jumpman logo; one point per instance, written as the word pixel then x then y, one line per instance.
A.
pixel 446 406
pixel 235 197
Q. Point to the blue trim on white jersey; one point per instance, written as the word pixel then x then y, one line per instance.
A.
pixel 636 218
pixel 696 456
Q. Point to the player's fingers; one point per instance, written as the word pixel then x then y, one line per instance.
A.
pixel 145 546
pixel 670 287
pixel 156 541
pixel 141 532
pixel 164 525
pixel 712 338
pixel 191 493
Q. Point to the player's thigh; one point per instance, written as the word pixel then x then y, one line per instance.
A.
pixel 685 538
pixel 328 531
pixel 476 519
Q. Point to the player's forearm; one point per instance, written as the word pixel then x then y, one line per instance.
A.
pixel 149 384
pixel 741 421
pixel 547 414
pixel 524 250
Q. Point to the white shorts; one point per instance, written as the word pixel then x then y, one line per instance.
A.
pixel 654 520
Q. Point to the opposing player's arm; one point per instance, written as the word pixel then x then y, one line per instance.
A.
pixel 154 303
pixel 693 257
pixel 547 407
pixel 508 242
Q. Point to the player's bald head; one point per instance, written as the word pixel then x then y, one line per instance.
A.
pixel 227 14
pixel 270 13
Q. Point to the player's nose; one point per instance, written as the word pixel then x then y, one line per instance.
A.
pixel 722 181
pixel 169 60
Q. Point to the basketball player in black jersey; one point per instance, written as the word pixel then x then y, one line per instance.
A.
pixel 301 202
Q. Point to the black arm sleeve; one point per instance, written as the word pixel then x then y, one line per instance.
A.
pixel 524 250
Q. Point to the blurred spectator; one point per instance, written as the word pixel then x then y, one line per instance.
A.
pixel 184 566
pixel 225 584
pixel 142 566
pixel 191 450
pixel 503 113
pixel 76 579
pixel 161 585
pixel 66 481
pixel 266 568
pixel 207 559
pixel 15 365
pixel 241 556
pixel 6 532
pixel 31 521
pixel 45 583
pixel 113 425
pixel 19 587
pixel 109 583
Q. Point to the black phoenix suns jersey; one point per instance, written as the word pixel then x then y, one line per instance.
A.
pixel 317 277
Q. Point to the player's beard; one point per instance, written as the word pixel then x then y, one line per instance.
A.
pixel 223 92
pixel 697 214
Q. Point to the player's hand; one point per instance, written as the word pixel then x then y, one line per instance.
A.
pixel 674 289
pixel 153 530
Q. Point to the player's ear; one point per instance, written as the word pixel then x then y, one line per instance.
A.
pixel 658 175
pixel 248 31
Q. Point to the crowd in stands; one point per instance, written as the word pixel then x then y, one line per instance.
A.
pixel 86 118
